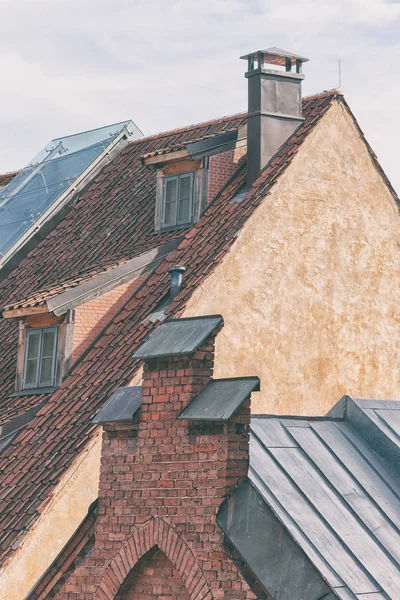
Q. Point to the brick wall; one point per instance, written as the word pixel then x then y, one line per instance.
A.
pixel 222 167
pixel 162 482
pixel 155 577
pixel 90 318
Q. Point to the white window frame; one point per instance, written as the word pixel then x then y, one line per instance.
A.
pixel 41 331
pixel 176 222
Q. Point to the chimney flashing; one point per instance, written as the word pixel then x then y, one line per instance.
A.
pixel 266 113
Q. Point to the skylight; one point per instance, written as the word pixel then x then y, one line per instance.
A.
pixel 37 187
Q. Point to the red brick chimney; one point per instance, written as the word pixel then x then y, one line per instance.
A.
pixel 171 453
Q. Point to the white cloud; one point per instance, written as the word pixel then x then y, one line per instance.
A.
pixel 69 65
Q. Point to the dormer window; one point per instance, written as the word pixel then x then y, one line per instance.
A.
pixel 183 172
pixel 182 188
pixel 40 358
pixel 178 199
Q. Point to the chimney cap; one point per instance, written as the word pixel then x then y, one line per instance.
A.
pixel 276 56
pixel 179 336
pixel 122 405
pixel 220 399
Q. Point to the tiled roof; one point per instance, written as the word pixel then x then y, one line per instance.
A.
pixel 5 178
pixel 111 222
pixel 40 297
pixel 114 219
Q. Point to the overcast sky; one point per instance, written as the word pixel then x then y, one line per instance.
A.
pixel 71 65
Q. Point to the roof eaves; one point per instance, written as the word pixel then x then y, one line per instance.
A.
pixel 372 154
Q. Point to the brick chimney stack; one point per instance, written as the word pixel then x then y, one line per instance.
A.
pixel 172 451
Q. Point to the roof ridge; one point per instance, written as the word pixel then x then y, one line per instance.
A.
pixel 7 173
pixel 324 94
pixel 199 125
pixel 168 132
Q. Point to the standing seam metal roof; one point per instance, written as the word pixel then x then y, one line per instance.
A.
pixel 336 496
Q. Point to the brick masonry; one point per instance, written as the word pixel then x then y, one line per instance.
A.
pixel 222 168
pixel 162 482
pixel 155 577
pixel 92 317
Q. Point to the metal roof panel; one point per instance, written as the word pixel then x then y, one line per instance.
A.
pixel 122 405
pixel 220 399
pixel 178 336
pixel 334 492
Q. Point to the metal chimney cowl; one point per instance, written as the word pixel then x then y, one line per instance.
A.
pixel 176 274
pixel 274 105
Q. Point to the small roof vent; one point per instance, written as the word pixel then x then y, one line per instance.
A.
pixel 176 272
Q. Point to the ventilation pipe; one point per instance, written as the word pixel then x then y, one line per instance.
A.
pixel 176 274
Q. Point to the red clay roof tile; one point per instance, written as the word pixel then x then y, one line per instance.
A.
pixel 5 178
pixel 114 218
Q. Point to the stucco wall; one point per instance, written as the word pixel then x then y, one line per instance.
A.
pixel 63 515
pixel 310 290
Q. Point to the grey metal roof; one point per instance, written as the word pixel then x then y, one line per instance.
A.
pixel 279 565
pixel 216 144
pixel 380 419
pixel 122 405
pixel 220 399
pixel 333 483
pixel 179 336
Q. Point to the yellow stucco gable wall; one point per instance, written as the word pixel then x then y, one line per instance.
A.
pixel 67 508
pixel 310 290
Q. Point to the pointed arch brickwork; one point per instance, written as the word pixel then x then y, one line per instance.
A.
pixel 156 532
pixel 154 576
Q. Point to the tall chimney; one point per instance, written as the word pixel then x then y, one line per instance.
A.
pixel 275 107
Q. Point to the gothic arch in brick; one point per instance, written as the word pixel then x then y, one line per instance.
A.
pixel 155 532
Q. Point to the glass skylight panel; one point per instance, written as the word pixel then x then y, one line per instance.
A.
pixel 27 197
pixel 78 141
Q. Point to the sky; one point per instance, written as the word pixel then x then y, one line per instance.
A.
pixel 71 65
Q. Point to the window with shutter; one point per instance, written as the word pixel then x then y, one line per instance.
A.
pixel 40 358
pixel 178 198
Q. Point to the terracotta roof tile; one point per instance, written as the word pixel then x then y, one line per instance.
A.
pixel 40 297
pixel 115 218
pixel 112 221
pixel 5 178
